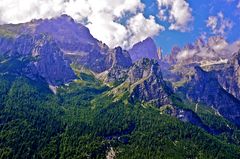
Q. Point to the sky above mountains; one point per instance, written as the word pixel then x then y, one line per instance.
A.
pixel 125 22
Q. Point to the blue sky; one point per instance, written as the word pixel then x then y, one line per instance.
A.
pixel 201 10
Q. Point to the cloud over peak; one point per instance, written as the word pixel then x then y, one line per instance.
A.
pixel 214 48
pixel 139 27
pixel 116 23
pixel 177 12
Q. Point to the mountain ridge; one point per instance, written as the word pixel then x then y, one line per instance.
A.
pixel 106 100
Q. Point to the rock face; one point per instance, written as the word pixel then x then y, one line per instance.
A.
pixel 92 60
pixel 172 57
pixel 205 88
pixel 6 44
pixel 228 74
pixel 64 41
pixel 74 39
pixel 52 66
pixel 47 58
pixel 229 77
pixel 119 61
pixel 119 57
pixel 69 35
pixel 99 63
pixel 145 49
pixel 147 84
pixel 79 46
pixel 142 82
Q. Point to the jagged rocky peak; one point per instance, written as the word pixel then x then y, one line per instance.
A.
pixel 117 63
pixel 148 85
pixel 64 26
pixel 68 34
pixel 80 46
pixel 142 69
pixel 160 53
pixel 200 43
pixel 120 57
pixel 189 47
pixel 62 38
pixel 172 57
pixel 144 49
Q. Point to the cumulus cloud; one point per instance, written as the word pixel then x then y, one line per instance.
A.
pixel 16 11
pixel 219 24
pixel 116 23
pixel 139 27
pixel 176 12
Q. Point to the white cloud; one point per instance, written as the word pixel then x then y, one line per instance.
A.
pixel 140 28
pixel 219 24
pixel 16 11
pixel 177 12
pixel 78 9
pixel 105 29
pixel 109 21
pixel 104 25
pixel 186 54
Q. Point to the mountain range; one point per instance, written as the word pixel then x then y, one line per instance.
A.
pixel 65 94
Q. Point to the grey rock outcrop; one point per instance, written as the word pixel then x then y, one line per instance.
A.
pixel 119 57
pixel 172 57
pixel 69 35
pixel 145 49
pixel 229 76
pixel 147 83
pixel 205 88
pixel 52 66
pixel 80 46
pixel 119 61
pixel 56 43
pixel 46 57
